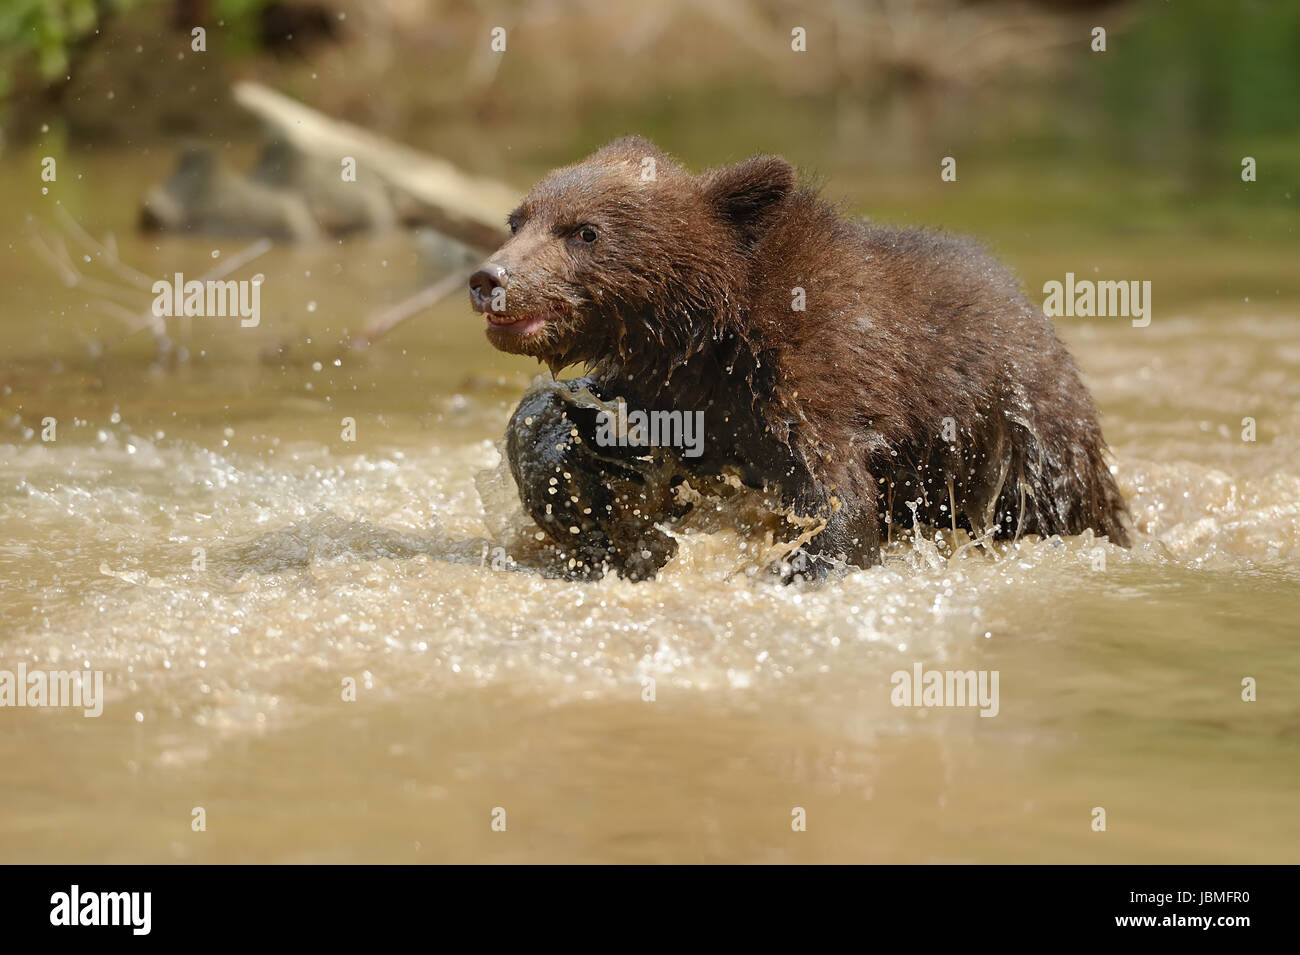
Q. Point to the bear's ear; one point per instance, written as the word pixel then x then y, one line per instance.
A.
pixel 745 193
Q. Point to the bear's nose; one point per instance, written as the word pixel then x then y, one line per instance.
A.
pixel 487 279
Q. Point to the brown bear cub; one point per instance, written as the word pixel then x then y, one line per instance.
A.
pixel 866 374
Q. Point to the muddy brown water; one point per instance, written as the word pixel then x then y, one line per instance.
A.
pixel 479 688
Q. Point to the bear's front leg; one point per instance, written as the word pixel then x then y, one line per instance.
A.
pixel 598 505
pixel 849 537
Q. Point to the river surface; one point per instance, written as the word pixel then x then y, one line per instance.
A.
pixel 203 534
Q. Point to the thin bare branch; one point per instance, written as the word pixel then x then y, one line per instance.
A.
pixel 234 263
pixel 109 255
pixel 385 321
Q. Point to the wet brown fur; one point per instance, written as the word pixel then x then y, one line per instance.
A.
pixel 684 302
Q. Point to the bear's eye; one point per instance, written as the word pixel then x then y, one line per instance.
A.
pixel 586 234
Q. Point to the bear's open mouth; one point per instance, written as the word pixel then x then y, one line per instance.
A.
pixel 518 324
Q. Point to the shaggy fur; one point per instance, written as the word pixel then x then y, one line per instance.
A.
pixel 676 292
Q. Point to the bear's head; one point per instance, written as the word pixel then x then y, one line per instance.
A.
pixel 627 252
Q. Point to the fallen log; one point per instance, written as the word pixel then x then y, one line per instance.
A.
pixel 427 189
pixel 322 176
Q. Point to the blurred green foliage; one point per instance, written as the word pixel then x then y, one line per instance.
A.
pixel 45 31
pixel 1205 81
pixel 1185 88
pixel 239 23
pixel 41 35
pixel 1208 69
